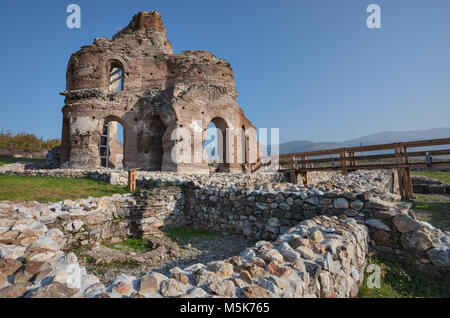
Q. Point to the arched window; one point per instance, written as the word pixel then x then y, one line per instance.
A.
pixel 111 145
pixel 116 77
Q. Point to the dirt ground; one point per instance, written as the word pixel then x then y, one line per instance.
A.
pixel 164 253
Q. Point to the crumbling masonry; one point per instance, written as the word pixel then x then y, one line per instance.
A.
pixel 136 80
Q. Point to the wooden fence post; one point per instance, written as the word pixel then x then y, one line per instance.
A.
pixel 132 180
pixel 304 173
pixel 408 180
pixel 404 173
pixel 343 162
pixel 398 161
pixel 305 178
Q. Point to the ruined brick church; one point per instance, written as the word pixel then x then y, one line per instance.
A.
pixel 136 81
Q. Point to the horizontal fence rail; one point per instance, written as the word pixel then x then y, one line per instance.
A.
pixel 390 156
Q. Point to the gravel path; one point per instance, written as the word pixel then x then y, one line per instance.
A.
pixel 107 263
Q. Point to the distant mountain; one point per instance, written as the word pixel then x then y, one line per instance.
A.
pixel 374 139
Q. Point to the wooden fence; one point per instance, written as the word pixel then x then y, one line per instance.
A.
pixel 398 156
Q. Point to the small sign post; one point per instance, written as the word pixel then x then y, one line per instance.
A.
pixel 132 180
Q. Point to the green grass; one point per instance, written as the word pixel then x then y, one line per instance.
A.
pixel 434 209
pixel 46 189
pixel 402 280
pixel 443 176
pixel 8 160
pixel 184 234
pixel 130 245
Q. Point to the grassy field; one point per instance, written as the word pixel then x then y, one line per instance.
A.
pixel 8 160
pixel 434 209
pixel 443 176
pixel 45 189
pixel 402 280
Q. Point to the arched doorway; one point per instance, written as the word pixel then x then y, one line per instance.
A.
pixel 65 141
pixel 215 143
pixel 155 148
pixel 112 145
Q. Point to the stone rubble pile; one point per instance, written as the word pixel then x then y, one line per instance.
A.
pixel 281 269
pixel 357 181
pixel 363 180
pixel 319 237
pixel 107 219
pixel 145 179
pixel 300 264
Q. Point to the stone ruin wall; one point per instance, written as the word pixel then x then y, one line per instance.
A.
pixel 313 240
pixel 38 267
pixel 425 185
pixel 161 92
pixel 65 224
pixel 149 179
pixel 319 236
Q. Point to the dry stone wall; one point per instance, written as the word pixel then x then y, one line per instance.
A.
pixel 425 185
pixel 33 264
pixel 263 214
pixel 313 241
pixel 268 269
pixel 147 179
pixel 110 219
pixel 315 177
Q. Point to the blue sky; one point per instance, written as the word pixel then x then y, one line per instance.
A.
pixel 309 67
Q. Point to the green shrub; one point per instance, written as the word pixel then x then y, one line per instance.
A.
pixel 24 143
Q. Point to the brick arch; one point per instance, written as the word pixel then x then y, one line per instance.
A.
pixel 154 144
pixel 179 88
pixel 106 65
pixel 169 119
pixel 111 153
pixel 222 143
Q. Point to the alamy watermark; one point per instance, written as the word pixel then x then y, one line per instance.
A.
pixel 226 144
pixel 374 279
pixel 74 276
pixel 374 19
pixel 74 19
